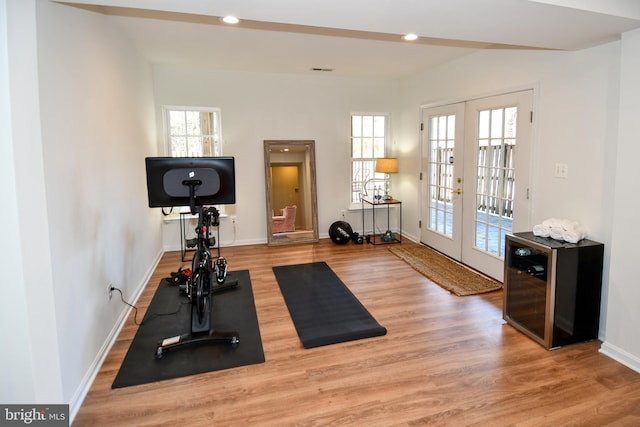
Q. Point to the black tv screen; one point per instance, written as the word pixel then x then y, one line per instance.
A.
pixel 171 179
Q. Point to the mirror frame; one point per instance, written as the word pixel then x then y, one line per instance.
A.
pixel 309 145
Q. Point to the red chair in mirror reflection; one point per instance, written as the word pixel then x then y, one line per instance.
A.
pixel 285 222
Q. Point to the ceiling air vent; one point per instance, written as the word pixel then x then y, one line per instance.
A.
pixel 322 69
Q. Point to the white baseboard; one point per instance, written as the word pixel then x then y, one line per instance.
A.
pixel 92 372
pixel 620 355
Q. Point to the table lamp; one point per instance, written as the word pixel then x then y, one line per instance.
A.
pixel 387 166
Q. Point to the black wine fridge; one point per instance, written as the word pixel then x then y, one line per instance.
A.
pixel 552 289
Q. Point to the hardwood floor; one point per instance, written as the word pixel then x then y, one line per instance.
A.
pixel 445 360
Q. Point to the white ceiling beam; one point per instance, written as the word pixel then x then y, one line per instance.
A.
pixel 621 8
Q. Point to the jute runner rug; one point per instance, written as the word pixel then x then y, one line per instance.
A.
pixel 444 271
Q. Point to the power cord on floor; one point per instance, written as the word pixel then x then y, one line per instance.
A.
pixel 135 315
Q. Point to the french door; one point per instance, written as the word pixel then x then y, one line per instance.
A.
pixel 475 170
pixel 442 166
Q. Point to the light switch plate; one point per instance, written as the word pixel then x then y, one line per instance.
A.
pixel 562 170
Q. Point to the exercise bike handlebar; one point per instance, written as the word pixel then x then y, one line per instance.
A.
pixel 192 184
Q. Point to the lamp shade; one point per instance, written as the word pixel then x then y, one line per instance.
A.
pixel 387 165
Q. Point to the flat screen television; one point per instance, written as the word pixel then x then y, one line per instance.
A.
pixel 190 181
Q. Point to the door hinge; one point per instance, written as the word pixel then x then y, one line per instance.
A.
pixel 420 176
pixel 421 126
pixel 527 194
pixel 530 116
pixel 419 223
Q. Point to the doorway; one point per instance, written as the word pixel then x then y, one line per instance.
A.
pixel 285 189
pixel 475 177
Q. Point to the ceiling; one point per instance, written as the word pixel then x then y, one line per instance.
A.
pixel 360 38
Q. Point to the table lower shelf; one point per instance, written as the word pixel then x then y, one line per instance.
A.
pixel 377 239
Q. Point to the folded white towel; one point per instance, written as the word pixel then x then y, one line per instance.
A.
pixel 556 232
pixel 560 229
pixel 541 230
pixel 553 222
pixel 574 233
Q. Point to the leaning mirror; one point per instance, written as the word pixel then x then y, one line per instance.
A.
pixel 290 181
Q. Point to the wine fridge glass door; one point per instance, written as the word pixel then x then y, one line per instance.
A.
pixel 528 291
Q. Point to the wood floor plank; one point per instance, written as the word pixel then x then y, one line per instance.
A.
pixel 446 360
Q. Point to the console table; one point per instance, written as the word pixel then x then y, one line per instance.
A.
pixel 395 237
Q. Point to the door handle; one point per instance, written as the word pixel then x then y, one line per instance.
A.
pixel 457 191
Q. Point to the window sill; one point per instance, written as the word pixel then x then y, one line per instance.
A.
pixel 175 216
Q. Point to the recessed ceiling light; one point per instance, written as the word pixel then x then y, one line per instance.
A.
pixel 230 20
pixel 410 37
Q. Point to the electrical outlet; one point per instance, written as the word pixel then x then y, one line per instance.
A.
pixel 110 290
pixel 233 220
pixel 343 214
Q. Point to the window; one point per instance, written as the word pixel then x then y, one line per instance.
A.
pixel 193 132
pixel 369 141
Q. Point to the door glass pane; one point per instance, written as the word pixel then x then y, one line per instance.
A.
pixel 495 182
pixel 441 146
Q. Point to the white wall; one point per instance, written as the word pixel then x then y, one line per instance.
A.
pixel 83 123
pixel 622 340
pixel 29 360
pixel 257 106
pixel 98 124
pixel 577 103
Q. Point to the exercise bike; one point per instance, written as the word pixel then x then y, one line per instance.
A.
pixel 208 277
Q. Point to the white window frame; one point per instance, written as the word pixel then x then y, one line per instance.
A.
pixel 362 167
